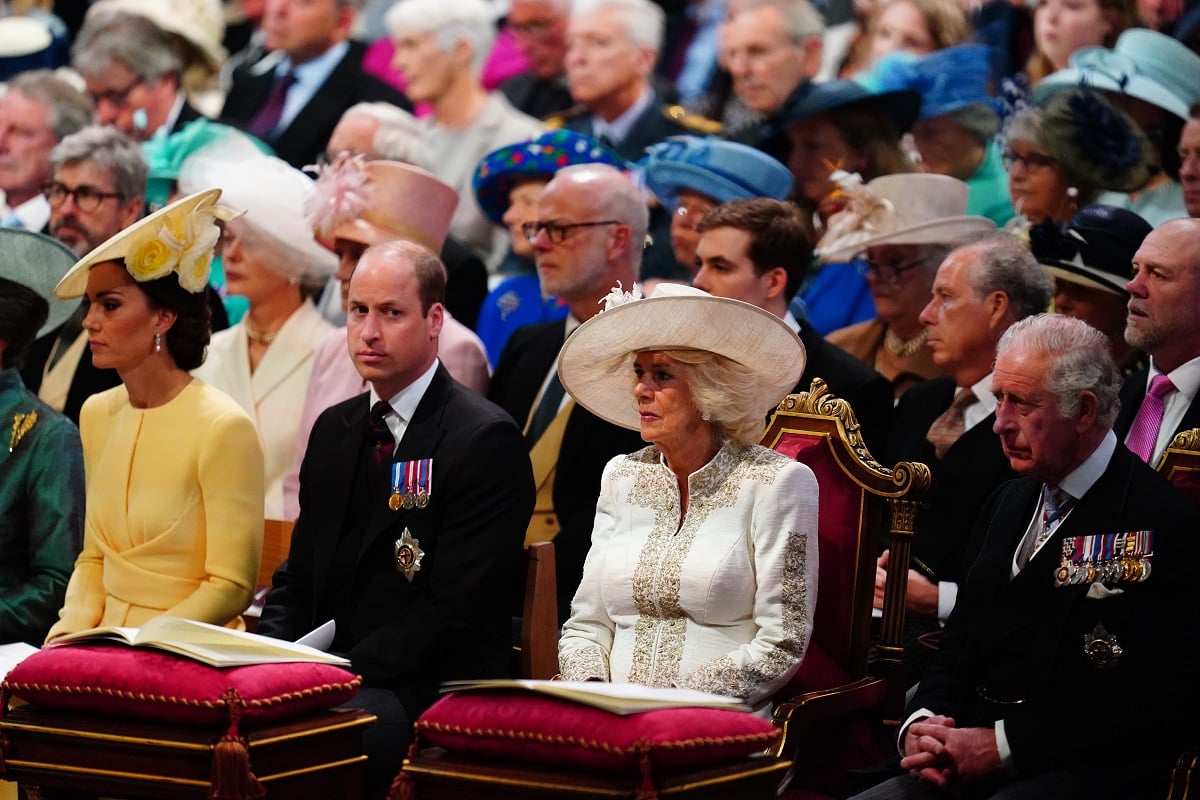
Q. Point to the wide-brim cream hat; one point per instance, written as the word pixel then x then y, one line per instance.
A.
pixel 179 238
pixel 906 208
pixel 199 23
pixel 593 368
pixel 38 263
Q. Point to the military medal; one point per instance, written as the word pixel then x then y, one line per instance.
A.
pixel 22 424
pixel 412 482
pixel 407 553
pixel 1108 558
pixel 1101 648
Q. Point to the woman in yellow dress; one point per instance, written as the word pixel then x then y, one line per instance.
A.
pixel 174 468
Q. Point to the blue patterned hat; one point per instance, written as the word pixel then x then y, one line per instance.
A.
pixel 947 80
pixel 714 168
pixel 540 157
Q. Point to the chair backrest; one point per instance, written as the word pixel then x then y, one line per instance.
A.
pixel 860 502
pixel 538 657
pixel 1180 463
pixel 277 540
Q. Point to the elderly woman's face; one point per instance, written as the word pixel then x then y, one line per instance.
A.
pixel 688 211
pixel 900 277
pixel 427 68
pixel 120 322
pixel 664 399
pixel 1036 183
pixel 246 261
pixel 522 208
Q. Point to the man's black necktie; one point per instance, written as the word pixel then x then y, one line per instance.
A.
pixel 380 443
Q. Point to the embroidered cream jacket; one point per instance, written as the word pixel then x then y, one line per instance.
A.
pixel 724 602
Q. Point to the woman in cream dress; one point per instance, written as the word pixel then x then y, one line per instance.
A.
pixel 703 566
pixel 174 470
pixel 271 259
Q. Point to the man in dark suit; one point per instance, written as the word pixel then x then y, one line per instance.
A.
pixel 413 502
pixel 590 226
pixel 758 251
pixel 134 71
pixel 1080 596
pixel 97 188
pixel 293 98
pixel 610 63
pixel 1159 401
pixel 539 28
pixel 979 291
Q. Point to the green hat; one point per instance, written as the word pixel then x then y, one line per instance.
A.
pixel 1096 144
pixel 38 263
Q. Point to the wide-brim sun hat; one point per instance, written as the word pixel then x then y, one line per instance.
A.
pixel 720 170
pixel 1095 249
pixel 177 239
pixel 38 263
pixel 593 367
pixel 199 23
pixel 499 172
pixel 905 208
pixel 1144 64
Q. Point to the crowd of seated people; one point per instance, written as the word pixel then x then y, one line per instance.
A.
pixel 377 268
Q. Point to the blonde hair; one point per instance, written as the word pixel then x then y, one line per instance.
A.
pixel 723 391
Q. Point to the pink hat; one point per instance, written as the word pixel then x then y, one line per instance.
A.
pixel 380 201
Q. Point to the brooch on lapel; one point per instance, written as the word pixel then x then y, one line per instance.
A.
pixel 22 424
pixel 412 483
pixel 1107 558
pixel 407 553
pixel 1101 648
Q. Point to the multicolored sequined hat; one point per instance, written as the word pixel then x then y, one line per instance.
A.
pixel 542 156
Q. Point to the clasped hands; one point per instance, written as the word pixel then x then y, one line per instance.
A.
pixel 940 754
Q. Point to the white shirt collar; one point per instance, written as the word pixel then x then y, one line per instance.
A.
pixel 404 403
pixel 1081 479
pixel 790 320
pixel 619 128
pixel 978 412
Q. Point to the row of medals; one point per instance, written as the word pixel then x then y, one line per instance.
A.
pixel 1129 569
pixel 408 500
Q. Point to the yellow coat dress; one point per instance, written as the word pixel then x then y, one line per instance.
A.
pixel 174 511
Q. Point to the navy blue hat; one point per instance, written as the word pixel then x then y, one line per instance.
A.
pixel 899 106
pixel 1094 249
pixel 948 80
pixel 712 167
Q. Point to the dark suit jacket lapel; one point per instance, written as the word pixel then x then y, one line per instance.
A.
pixel 341 467
pixel 421 438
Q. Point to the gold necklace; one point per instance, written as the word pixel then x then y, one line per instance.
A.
pixel 264 339
pixel 904 347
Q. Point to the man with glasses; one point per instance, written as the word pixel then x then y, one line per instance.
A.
pixel 981 289
pixel 96 188
pixel 539 28
pixel 587 240
pixel 134 71
pixel 36 111
pixel 758 251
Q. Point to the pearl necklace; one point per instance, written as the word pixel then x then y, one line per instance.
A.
pixel 264 339
pixel 904 347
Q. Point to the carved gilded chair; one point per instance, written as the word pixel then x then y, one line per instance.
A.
pixel 831 712
pixel 1180 464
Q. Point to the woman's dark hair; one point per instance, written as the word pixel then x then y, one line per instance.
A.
pixel 188 337
pixel 22 312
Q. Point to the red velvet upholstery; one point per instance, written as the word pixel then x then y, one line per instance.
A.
pixel 129 681
pixel 520 726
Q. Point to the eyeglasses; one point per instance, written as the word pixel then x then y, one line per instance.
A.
pixel 1032 162
pixel 116 97
pixel 87 198
pixel 556 232
pixel 884 271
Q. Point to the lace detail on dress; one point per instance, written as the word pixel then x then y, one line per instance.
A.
pixel 584 664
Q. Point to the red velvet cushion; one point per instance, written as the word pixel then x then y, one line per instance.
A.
pixel 527 727
pixel 111 679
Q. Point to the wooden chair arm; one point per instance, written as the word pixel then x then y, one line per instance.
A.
pixel 1185 776
pixel 801 714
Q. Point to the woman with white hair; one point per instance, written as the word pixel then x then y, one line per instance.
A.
pixel 272 260
pixel 440 47
pixel 703 566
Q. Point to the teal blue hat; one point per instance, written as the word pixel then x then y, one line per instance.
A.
pixel 166 153
pixel 714 168
pixel 540 157
pixel 947 80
